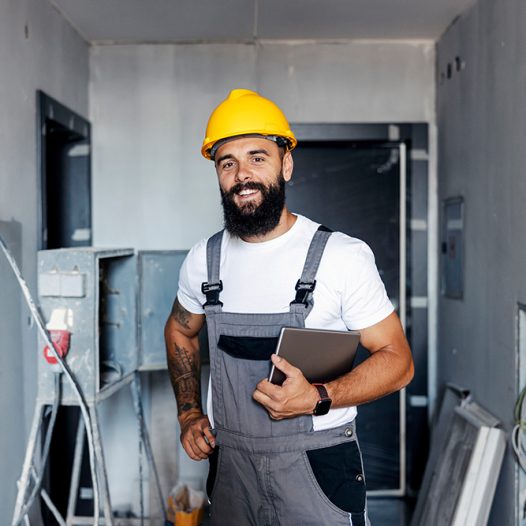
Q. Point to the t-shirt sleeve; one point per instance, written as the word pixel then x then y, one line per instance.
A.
pixel 364 298
pixel 191 276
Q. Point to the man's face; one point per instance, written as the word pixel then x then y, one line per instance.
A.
pixel 252 172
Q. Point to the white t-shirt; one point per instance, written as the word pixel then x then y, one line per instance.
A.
pixel 261 278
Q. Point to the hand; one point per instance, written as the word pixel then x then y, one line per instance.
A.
pixel 196 435
pixel 295 397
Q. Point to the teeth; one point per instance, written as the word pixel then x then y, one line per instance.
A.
pixel 247 192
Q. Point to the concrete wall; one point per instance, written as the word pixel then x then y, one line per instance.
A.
pixel 150 105
pixel 38 50
pixel 482 129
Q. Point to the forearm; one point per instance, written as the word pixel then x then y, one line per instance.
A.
pixel 184 367
pixel 384 372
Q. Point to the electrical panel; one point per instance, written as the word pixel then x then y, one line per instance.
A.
pixel 92 294
pixel 110 305
pixel 453 248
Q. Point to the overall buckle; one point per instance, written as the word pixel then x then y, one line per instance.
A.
pixel 212 291
pixel 303 289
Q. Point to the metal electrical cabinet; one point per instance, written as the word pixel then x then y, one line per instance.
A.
pixel 158 280
pixel 107 309
pixel 91 293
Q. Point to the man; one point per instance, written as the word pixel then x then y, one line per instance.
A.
pixel 278 455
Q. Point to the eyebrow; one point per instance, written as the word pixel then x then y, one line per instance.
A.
pixel 255 152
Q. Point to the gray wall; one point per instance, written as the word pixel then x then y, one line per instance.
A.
pixel 150 104
pixel 482 128
pixel 38 50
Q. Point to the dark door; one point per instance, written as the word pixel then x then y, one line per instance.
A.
pixel 65 147
pixel 354 187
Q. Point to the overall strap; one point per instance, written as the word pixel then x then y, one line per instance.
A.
pixel 307 282
pixel 213 287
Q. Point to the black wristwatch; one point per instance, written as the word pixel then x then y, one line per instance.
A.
pixel 324 403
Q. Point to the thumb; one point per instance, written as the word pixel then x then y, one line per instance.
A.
pixel 286 367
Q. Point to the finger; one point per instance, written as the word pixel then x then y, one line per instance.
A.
pixel 209 436
pixel 262 398
pixel 194 443
pixel 199 447
pixel 271 390
pixel 188 447
pixel 286 367
pixel 203 448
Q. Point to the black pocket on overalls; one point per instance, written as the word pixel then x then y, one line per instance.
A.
pixel 212 472
pixel 248 347
pixel 338 472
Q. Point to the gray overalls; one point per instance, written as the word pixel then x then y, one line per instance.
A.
pixel 267 472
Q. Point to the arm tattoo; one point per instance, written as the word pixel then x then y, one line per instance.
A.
pixel 185 373
pixel 180 314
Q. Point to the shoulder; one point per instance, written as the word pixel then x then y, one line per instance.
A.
pixel 339 242
pixel 347 249
pixel 194 268
pixel 198 252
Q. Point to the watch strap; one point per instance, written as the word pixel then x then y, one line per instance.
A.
pixel 322 391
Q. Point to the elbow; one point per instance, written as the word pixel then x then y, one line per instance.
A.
pixel 409 372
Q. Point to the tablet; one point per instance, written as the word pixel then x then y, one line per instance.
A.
pixel 321 355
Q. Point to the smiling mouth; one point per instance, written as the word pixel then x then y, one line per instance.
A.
pixel 247 193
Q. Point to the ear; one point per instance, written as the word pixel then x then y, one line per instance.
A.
pixel 287 166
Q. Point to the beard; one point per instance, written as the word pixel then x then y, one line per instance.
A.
pixel 253 219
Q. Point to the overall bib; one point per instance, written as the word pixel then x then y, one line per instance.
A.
pixel 266 472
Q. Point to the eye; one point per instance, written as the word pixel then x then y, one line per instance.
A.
pixel 258 159
pixel 227 165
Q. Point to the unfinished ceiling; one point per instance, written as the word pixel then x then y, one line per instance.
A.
pixel 157 21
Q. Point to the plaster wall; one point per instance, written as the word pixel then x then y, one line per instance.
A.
pixel 149 105
pixel 481 116
pixel 38 50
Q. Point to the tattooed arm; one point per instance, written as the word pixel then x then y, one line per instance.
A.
pixel 184 367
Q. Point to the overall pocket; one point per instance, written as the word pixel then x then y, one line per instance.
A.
pixel 339 474
pixel 211 480
pixel 248 347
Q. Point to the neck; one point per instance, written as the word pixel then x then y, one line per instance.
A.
pixel 286 220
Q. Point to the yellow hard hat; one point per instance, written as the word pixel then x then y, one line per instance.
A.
pixel 244 112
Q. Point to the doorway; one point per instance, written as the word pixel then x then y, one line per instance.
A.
pixel 370 181
pixel 64 150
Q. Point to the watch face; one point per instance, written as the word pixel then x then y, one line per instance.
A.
pixel 322 407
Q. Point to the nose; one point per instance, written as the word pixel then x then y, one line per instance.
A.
pixel 243 173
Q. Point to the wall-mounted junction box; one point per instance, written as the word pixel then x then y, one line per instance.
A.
pixel 93 294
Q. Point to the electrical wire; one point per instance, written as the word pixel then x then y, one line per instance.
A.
pixel 47 443
pixel 518 435
pixel 67 371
